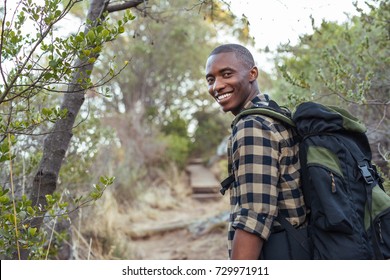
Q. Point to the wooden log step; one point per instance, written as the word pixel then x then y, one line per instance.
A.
pixel 206 196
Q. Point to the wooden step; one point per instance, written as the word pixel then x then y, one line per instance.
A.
pixel 206 196
pixel 203 182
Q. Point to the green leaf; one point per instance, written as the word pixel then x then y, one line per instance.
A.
pixel 79 39
pixel 46 111
pixel 53 63
pixel 103 180
pixel 4 199
pixel 22 214
pixel 4 147
pixel 4 158
pixel 91 36
pixel 105 33
pixel 32 231
pixel 30 210
pixel 91 60
pixel 48 75
pixel 87 52
pixel 121 29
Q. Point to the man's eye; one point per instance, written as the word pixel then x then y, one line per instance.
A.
pixel 210 80
pixel 227 74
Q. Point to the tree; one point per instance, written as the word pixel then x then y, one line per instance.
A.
pixel 42 63
pixel 167 46
pixel 164 81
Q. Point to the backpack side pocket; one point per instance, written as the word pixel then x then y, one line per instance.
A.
pixel 381 220
pixel 382 230
pixel 331 210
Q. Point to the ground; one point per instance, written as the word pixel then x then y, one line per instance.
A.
pixel 166 221
pixel 194 230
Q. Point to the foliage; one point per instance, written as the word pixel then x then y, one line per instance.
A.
pixel 168 44
pixel 212 128
pixel 90 136
pixel 346 65
pixel 43 65
pixel 175 136
pixel 40 62
pixel 37 65
pixel 177 149
pixel 176 125
pixel 164 55
pixel 17 215
pixel 163 84
pixel 345 61
pixel 218 13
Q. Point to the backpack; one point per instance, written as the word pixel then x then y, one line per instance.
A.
pixel 348 209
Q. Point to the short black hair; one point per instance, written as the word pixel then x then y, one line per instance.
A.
pixel 240 51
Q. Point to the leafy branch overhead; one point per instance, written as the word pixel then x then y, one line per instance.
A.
pixel 40 62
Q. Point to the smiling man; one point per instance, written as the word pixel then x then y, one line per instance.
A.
pixel 262 157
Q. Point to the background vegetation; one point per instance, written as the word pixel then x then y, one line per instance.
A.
pixel 137 76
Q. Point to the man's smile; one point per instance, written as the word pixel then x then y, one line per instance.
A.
pixel 223 97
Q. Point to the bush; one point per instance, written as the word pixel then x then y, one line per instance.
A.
pixel 177 149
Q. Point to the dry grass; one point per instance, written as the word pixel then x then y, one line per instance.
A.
pixel 97 234
pixel 101 230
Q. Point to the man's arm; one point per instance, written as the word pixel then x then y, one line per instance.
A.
pixel 255 153
pixel 246 246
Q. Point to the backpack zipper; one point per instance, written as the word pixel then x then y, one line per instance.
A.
pixel 333 184
pixel 380 232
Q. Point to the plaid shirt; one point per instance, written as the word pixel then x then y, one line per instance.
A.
pixel 263 156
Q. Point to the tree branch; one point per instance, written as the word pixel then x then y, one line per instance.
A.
pixel 124 6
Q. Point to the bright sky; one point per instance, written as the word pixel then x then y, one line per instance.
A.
pixel 279 21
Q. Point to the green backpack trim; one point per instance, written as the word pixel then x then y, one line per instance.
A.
pixel 266 112
pixel 350 122
pixel 380 202
pixel 321 156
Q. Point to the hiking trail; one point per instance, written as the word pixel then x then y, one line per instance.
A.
pixel 196 229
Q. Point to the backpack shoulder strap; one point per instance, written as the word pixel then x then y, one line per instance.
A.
pixel 272 110
pixel 302 240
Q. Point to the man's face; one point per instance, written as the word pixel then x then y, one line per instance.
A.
pixel 229 81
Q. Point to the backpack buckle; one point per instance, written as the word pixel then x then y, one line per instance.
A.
pixel 366 172
pixel 225 184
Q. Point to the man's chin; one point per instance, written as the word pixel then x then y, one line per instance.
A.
pixel 225 109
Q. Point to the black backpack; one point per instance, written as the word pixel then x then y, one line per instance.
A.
pixel 348 209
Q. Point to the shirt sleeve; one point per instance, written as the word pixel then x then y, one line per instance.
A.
pixel 255 152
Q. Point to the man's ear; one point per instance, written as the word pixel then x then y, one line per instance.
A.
pixel 253 74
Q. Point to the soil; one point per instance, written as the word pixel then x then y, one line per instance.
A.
pixel 197 231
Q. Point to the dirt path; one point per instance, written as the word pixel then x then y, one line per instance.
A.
pixel 187 239
pixel 180 223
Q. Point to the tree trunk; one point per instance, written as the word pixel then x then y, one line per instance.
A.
pixel 57 142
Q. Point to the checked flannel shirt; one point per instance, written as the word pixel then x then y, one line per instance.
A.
pixel 263 155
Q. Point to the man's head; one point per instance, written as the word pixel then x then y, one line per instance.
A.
pixel 231 77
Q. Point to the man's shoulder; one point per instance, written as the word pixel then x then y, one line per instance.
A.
pixel 261 121
pixel 258 125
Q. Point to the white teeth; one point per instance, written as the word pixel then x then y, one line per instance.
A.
pixel 223 96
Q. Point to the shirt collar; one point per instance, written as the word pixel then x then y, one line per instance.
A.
pixel 262 99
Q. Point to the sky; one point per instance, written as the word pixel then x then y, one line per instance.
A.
pixel 273 22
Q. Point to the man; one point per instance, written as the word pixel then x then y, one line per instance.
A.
pixel 262 155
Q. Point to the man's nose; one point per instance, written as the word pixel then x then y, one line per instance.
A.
pixel 218 85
